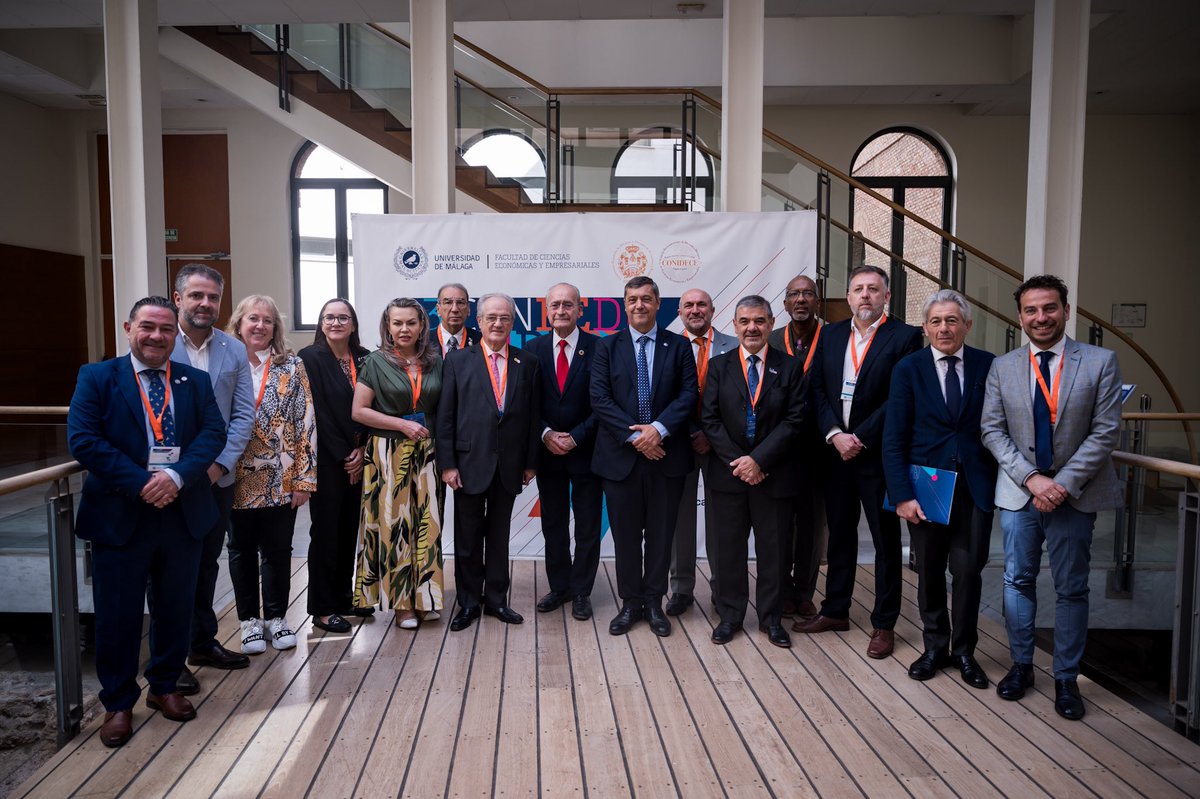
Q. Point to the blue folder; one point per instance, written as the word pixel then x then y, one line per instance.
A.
pixel 934 489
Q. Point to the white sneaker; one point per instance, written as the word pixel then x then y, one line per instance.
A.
pixel 253 642
pixel 282 636
pixel 431 615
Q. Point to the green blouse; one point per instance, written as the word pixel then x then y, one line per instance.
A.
pixel 394 391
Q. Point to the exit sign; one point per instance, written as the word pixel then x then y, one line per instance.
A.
pixel 172 234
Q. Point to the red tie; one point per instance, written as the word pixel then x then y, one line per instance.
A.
pixel 562 366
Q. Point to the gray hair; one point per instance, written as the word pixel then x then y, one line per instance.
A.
pixel 571 286
pixel 495 295
pixel 202 270
pixel 753 301
pixel 458 286
pixel 947 295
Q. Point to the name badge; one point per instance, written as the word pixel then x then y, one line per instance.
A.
pixel 162 458
pixel 848 389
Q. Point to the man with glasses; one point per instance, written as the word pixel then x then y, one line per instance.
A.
pixel 488 432
pixel 804 546
pixel 565 480
pixel 453 308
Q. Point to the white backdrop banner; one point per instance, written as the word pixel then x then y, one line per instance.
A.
pixel 729 255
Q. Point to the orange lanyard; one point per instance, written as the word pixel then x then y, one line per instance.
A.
pixel 416 386
pixel 155 421
pixel 442 340
pixel 1051 396
pixel 746 374
pixel 353 373
pixel 702 357
pixel 854 349
pixel 787 343
pixel 262 388
pixel 497 388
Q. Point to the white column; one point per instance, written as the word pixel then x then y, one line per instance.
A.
pixel 134 153
pixel 1058 105
pixel 742 106
pixel 432 25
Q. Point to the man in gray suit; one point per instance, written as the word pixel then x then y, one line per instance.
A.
pixel 1051 414
pixel 696 313
pixel 198 290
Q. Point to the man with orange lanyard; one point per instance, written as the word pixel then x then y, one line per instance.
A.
pixel 1058 401
pixel 696 313
pixel 488 435
pixel 803 549
pixel 453 308
pixel 752 411
pixel 851 378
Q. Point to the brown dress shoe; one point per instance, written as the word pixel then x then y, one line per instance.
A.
pixel 806 609
pixel 173 706
pixel 117 728
pixel 882 644
pixel 821 624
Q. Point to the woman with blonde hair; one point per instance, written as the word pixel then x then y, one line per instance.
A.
pixel 400 532
pixel 275 476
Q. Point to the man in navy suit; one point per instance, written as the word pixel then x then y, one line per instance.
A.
pixel 565 480
pixel 198 291
pixel 643 392
pixel 851 375
pixel 146 430
pixel 933 420
pixel 488 427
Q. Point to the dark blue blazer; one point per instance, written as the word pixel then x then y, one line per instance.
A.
pixel 674 393
pixel 106 431
pixel 569 410
pixel 893 341
pixel 919 429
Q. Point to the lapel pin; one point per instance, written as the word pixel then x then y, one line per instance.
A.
pixel 516 360
pixel 772 370
pixel 580 352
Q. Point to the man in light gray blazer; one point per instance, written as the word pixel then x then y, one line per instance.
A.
pixel 198 290
pixel 696 312
pixel 1051 417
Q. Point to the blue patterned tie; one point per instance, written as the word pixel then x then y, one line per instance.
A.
pixel 752 384
pixel 1043 433
pixel 643 381
pixel 953 387
pixel 158 398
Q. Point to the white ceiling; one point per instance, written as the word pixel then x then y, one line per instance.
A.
pixel 1141 57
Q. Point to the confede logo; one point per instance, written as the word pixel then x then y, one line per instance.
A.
pixel 680 261
pixel 410 261
pixel 631 260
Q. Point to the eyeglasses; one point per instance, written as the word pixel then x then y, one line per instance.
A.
pixel 492 319
pixel 791 295
pixel 335 319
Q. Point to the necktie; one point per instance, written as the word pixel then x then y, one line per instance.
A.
pixel 953 387
pixel 702 361
pixel 453 345
pixel 1043 434
pixel 643 381
pixel 752 384
pixel 560 368
pixel 158 398
pixel 496 374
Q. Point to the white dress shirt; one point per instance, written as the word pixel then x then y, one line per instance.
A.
pixel 859 340
pixel 943 368
pixel 198 356
pixel 445 335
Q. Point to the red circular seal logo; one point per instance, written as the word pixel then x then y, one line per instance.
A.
pixel 631 260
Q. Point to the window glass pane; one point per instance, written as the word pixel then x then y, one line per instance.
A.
pixel 636 195
pixel 318 253
pixel 325 163
pixel 358 201
pixel 657 158
pixel 510 156
pixel 899 154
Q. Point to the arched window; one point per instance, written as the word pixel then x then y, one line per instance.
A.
pixel 656 166
pixel 326 190
pixel 510 155
pixel 913 170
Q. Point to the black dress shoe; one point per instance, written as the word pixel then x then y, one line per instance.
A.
pixel 552 601
pixel 362 613
pixel 187 684
pixel 678 603
pixel 1012 686
pixel 660 625
pixel 335 624
pixel 464 618
pixel 581 608
pixel 776 635
pixel 928 665
pixel 218 657
pixel 972 672
pixel 625 619
pixel 504 613
pixel 1067 701
pixel 723 633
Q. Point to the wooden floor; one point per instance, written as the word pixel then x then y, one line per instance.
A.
pixel 558 707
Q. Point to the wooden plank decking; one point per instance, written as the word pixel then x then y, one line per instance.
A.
pixel 558 707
